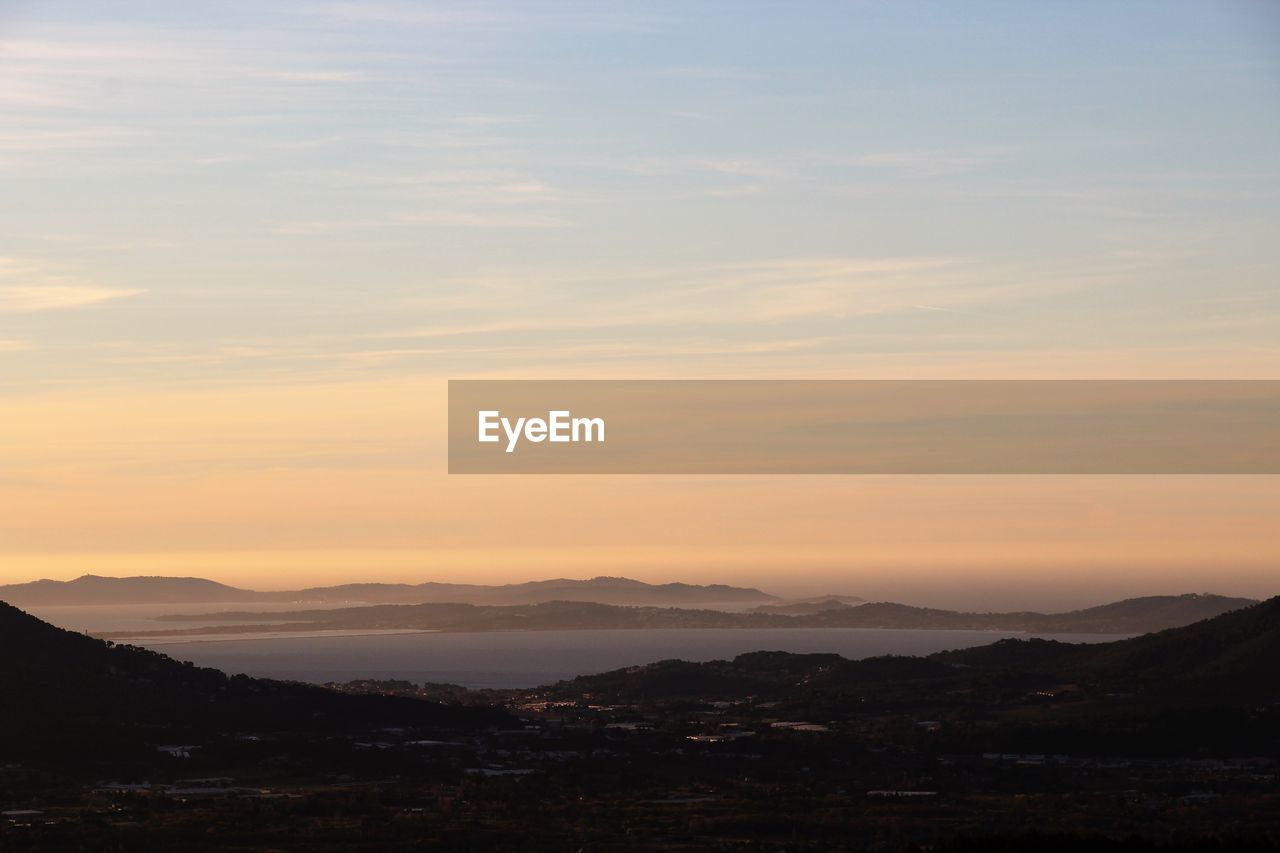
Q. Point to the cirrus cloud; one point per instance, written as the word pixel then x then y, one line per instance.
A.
pixel 27 286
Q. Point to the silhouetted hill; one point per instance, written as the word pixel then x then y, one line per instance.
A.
pixel 1238 651
pixel 69 693
pixel 1236 654
pixel 1235 649
pixel 92 589
pixel 770 675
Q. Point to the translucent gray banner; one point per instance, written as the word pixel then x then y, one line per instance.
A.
pixel 864 427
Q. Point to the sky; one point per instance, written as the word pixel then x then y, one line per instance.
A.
pixel 243 246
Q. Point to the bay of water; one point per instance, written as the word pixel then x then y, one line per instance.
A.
pixel 531 658
pixel 512 658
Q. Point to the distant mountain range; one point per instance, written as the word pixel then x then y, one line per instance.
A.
pixel 1133 616
pixel 93 589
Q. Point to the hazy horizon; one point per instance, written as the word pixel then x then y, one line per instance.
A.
pixel 968 591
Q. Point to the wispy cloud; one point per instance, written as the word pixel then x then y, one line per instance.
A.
pixel 466 187
pixel 484 120
pixel 725 307
pixel 465 219
pixel 28 286
pixel 422 219
pixel 18 299
pixel 55 138
pixel 708 73
pixel 746 294
pixel 918 163
pixel 689 165
pixel 913 163
pixel 491 17
pixel 138 72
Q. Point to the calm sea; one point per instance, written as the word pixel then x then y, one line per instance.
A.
pixel 513 658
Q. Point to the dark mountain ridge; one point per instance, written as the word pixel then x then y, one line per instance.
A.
pixel 1238 651
pixel 1235 655
pixel 72 693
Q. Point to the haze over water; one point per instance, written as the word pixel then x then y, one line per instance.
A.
pixel 503 659
pixel 532 658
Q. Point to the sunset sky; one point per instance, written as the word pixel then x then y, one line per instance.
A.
pixel 244 245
